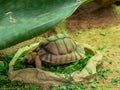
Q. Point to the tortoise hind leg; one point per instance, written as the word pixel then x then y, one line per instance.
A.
pixel 38 62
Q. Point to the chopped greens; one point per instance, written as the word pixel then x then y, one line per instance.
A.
pixel 5 83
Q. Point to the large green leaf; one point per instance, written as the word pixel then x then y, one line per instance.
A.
pixel 31 18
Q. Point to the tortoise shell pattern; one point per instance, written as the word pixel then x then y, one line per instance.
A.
pixel 59 49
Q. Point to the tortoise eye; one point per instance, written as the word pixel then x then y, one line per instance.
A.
pixel 25 60
pixel 28 58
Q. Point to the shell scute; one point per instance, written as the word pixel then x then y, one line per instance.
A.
pixel 60 49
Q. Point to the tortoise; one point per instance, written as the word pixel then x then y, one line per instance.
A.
pixel 56 50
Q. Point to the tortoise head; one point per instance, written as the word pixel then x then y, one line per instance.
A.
pixel 30 58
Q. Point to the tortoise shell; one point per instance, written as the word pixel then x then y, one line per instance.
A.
pixel 59 49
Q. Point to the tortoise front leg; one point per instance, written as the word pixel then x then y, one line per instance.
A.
pixel 38 62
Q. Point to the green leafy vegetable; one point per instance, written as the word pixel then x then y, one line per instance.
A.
pixel 93 85
pixel 65 69
pixel 103 33
pixel 89 70
pixel 115 80
pixel 103 47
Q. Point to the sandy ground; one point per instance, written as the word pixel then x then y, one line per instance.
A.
pixel 99 29
pixel 111 53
